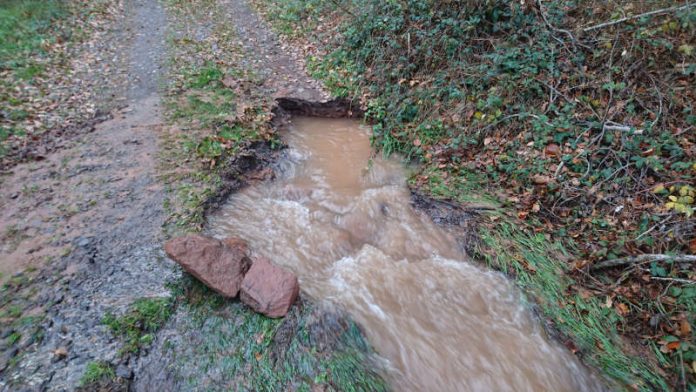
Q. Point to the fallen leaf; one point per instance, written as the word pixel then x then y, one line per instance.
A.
pixel 685 328
pixel 541 179
pixel 552 150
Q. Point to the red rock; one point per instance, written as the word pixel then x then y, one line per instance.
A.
pixel 269 289
pixel 211 261
pixel 237 243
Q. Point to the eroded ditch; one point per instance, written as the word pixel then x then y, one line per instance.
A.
pixel 342 220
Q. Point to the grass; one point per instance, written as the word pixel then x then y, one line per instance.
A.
pixel 218 121
pixel 25 27
pixel 38 41
pixel 25 32
pixel 97 372
pixel 138 326
pixel 539 265
pixel 254 352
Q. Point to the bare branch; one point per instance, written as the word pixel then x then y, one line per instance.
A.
pixel 651 13
pixel 641 259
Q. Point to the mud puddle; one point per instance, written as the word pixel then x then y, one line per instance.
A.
pixel 344 223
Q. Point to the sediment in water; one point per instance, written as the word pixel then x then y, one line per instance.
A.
pixel 342 220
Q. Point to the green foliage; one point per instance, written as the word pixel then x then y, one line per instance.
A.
pixel 97 372
pixel 145 317
pixel 14 338
pixel 571 129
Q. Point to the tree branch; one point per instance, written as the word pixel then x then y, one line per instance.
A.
pixel 651 13
pixel 641 259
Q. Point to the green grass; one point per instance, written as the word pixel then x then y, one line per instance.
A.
pixel 24 30
pixel 138 326
pixel 96 372
pixel 241 345
pixel 14 338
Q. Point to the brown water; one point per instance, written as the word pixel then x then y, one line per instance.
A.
pixel 345 226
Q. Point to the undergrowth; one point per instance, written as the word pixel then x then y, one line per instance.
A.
pixel 576 116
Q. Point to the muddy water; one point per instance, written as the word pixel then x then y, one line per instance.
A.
pixel 344 224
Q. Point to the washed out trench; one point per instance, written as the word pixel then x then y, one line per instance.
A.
pixel 342 220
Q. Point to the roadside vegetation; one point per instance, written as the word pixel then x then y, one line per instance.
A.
pixel 217 112
pixel 137 327
pixel 576 118
pixel 39 46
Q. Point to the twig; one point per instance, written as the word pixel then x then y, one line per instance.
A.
pixel 552 27
pixel 653 228
pixel 651 13
pixel 640 259
pixel 685 281
pixel 611 126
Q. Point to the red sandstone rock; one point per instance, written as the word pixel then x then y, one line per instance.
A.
pixel 269 289
pixel 219 266
pixel 237 243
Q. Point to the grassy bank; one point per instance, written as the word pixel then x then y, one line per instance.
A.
pixel 575 117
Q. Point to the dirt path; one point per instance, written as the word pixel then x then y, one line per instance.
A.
pixel 281 67
pixel 88 220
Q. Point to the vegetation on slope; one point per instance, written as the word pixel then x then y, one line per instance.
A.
pixel 576 116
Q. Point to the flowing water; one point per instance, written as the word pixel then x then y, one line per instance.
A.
pixel 344 224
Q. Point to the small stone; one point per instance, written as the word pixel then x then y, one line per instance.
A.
pixel 124 371
pixel 60 352
pixel 269 289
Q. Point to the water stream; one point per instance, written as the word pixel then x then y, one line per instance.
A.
pixel 345 226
